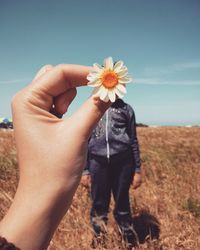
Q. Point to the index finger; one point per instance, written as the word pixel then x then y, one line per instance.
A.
pixel 62 78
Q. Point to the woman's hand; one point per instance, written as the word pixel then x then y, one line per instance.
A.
pixel 51 153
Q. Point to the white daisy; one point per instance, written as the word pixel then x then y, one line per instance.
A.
pixel 109 80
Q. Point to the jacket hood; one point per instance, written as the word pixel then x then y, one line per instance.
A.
pixel 119 103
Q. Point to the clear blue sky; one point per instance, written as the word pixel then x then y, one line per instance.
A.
pixel 159 40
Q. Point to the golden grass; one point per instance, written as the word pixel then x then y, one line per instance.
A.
pixel 168 200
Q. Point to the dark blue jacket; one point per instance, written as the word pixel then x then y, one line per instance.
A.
pixel 116 133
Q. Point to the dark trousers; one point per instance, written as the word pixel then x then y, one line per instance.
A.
pixel 111 176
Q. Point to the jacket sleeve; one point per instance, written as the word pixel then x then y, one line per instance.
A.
pixel 133 139
pixel 86 168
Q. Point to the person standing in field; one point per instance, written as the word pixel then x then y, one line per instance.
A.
pixel 113 165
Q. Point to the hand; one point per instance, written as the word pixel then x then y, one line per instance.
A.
pixel 137 180
pixel 86 180
pixel 51 153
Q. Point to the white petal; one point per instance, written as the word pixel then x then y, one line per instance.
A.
pixel 99 90
pixel 119 93
pixel 124 68
pixel 108 63
pixel 122 73
pixel 103 93
pixel 94 72
pixel 94 83
pixel 118 65
pixel 121 88
pixel 97 68
pixel 106 99
pixel 112 95
pixel 125 79
pixel 92 76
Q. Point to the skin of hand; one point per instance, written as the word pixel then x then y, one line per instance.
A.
pixel 137 180
pixel 86 180
pixel 51 153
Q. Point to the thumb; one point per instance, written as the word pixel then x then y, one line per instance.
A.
pixel 88 115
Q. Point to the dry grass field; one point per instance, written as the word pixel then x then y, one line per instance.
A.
pixel 166 208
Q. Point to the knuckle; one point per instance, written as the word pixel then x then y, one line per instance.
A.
pixel 60 70
pixel 47 67
pixel 16 99
pixel 20 99
pixel 61 67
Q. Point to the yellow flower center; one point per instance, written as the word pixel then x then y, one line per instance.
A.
pixel 109 79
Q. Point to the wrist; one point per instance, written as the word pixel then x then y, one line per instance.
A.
pixel 36 213
pixel 4 244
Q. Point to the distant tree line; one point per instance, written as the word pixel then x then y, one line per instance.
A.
pixel 6 125
pixel 141 125
pixel 9 124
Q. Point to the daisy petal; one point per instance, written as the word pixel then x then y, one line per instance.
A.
pixel 111 94
pixel 97 67
pixel 121 88
pixel 125 79
pixel 122 73
pixel 106 99
pixel 94 83
pixel 124 68
pixel 118 65
pixel 103 93
pixel 108 63
pixel 119 93
pixel 92 76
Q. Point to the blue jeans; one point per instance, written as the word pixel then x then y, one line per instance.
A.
pixel 111 176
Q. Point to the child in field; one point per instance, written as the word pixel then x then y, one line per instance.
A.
pixel 113 164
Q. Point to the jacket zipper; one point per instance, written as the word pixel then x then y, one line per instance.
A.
pixel 107 142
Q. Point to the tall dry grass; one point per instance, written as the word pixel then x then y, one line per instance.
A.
pixel 166 208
